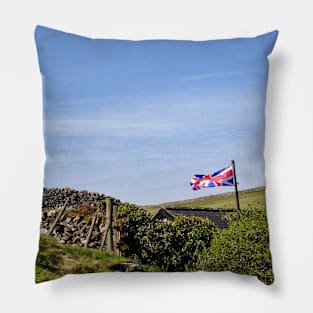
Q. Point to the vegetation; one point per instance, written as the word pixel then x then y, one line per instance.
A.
pixel 54 260
pixel 173 245
pixel 243 247
pixel 183 244
pixel 191 243
pixel 248 198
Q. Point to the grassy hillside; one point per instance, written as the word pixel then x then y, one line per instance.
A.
pixel 55 260
pixel 247 198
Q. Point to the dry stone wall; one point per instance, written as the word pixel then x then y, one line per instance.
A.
pixel 74 225
pixel 55 197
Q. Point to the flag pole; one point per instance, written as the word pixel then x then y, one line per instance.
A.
pixel 236 188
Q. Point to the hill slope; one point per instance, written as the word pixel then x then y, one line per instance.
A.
pixel 55 260
pixel 247 198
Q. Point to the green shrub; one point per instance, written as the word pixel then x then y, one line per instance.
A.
pixel 192 243
pixel 243 247
pixel 130 223
pixel 175 245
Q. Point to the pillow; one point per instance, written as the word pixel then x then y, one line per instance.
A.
pixel 154 155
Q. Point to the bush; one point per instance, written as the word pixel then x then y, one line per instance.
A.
pixel 177 245
pixel 243 247
pixel 192 243
pixel 131 221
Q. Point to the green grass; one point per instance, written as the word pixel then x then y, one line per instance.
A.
pixel 55 260
pixel 248 198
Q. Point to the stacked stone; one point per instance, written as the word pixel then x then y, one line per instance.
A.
pixel 55 197
pixel 73 227
pixel 73 230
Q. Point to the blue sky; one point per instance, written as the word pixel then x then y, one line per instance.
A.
pixel 136 120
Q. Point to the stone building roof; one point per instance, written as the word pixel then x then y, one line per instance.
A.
pixel 213 214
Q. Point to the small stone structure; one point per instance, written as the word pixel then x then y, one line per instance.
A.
pixel 213 214
pixel 82 221
pixel 55 197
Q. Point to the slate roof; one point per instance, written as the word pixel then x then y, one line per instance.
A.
pixel 213 214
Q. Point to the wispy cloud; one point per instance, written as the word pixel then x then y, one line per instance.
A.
pixel 140 128
pixel 116 128
pixel 206 76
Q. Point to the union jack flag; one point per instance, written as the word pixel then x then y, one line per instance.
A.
pixel 223 177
